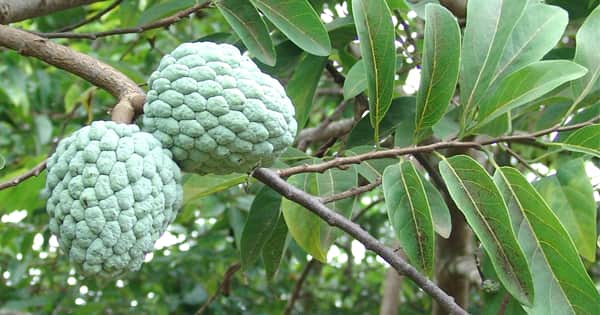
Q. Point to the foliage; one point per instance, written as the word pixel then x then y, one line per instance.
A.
pixel 503 130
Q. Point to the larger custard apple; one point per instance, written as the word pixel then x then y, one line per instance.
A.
pixel 113 192
pixel 216 111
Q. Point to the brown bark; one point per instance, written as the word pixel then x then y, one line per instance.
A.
pixel 130 96
pixel 19 10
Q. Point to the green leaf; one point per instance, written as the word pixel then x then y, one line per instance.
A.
pixel 376 35
pixel 274 248
pixel 440 65
pixel 164 9
pixel 196 186
pixel 476 195
pixel 489 25
pixel 370 169
pixel 586 54
pixel 303 84
pixel 299 22
pixel 250 27
pixel 399 114
pixel 27 195
pixel 2 162
pixel 356 80
pixel 409 214
pixel 559 272
pixel 496 127
pixel 260 224
pixel 310 232
pixel 536 33
pixel 525 85
pixel 571 196
pixel 442 222
pixel 585 140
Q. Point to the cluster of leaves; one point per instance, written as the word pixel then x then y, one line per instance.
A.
pixel 518 72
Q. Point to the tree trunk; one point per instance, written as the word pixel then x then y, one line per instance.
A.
pixel 19 10
pixel 391 293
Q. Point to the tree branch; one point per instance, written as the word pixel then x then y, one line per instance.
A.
pixel 223 287
pixel 35 171
pixel 270 178
pixel 138 29
pixel 19 10
pixel 298 287
pixel 334 129
pixel 91 18
pixel 396 152
pixel 130 96
pixel 351 192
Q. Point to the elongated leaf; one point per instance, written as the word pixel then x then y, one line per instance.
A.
pixel 586 54
pixel 585 140
pixel 526 85
pixel 164 9
pixel 409 214
pixel 260 224
pixel 376 35
pixel 476 195
pixel 299 22
pixel 442 222
pixel 309 231
pixel 370 169
pixel 274 248
pixel 196 186
pixel 489 25
pixel 560 280
pixel 440 65
pixel 250 27
pixel 356 80
pixel 301 87
pixel 536 33
pixel 570 195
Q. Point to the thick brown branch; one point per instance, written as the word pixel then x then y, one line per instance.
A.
pixel 312 203
pixel 351 192
pixel 35 171
pixel 131 97
pixel 18 10
pixel 137 29
pixel 91 18
pixel 334 129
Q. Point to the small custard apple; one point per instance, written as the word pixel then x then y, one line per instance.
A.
pixel 216 111
pixel 113 190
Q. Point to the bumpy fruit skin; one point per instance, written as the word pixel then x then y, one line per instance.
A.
pixel 113 190
pixel 216 111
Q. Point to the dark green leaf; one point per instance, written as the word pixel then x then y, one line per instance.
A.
pixel 376 35
pixel 250 27
pixel 550 252
pixel 585 140
pixel 274 248
pixel 164 9
pixel 476 195
pixel 299 22
pixel 409 214
pixel 260 224
pixel 303 84
pixel 440 65
pixel 570 195
pixel 442 222
pixel 196 186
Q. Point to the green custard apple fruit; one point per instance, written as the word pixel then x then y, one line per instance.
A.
pixel 113 190
pixel 216 111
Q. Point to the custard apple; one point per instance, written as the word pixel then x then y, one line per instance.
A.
pixel 113 190
pixel 216 111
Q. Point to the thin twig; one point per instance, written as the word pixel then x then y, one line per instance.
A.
pixel 521 160
pixel 364 210
pixel 351 192
pixel 310 202
pixel 223 287
pixel 396 152
pixel 35 171
pixel 137 29
pixel 91 18
pixel 298 287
